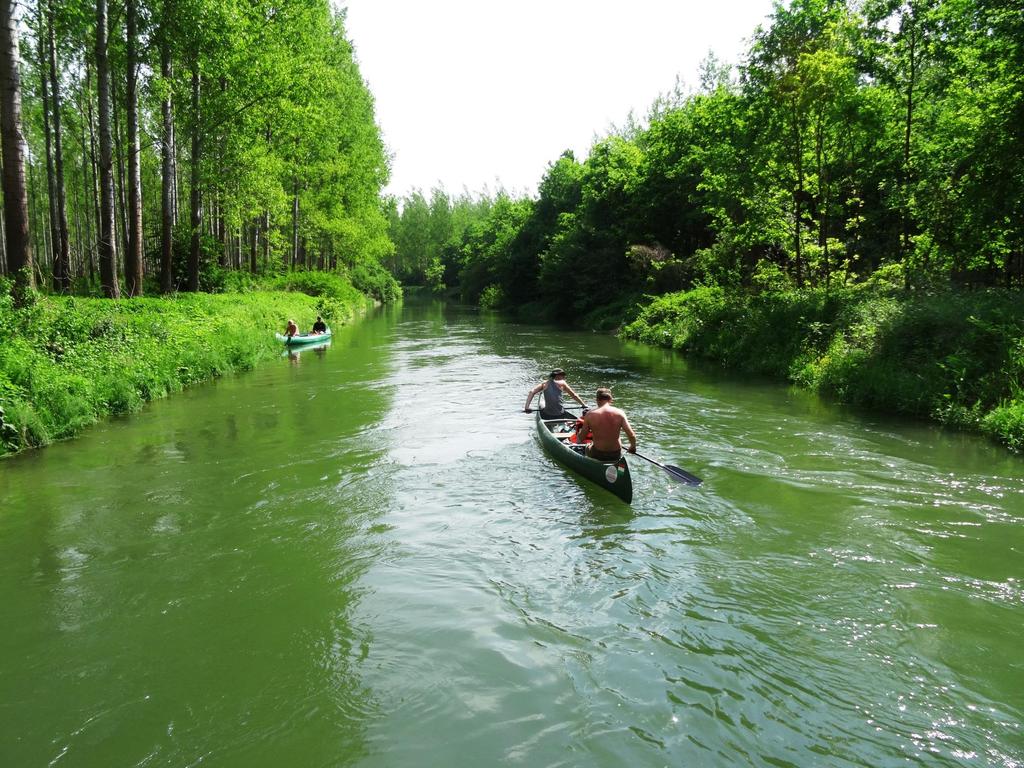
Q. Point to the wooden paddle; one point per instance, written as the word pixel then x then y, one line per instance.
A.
pixel 675 472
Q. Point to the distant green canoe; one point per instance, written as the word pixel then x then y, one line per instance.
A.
pixel 304 338
pixel 612 476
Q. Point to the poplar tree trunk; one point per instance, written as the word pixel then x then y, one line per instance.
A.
pixel 58 163
pixel 120 201
pixel 18 248
pixel 821 172
pixel 77 265
pixel 221 230
pixel 40 226
pixel 133 256
pixel 254 245
pixel 295 222
pixel 107 242
pixel 220 225
pixel 798 197
pixel 176 175
pixel 906 172
pixel 51 193
pixel 88 194
pixel 94 194
pixel 167 184
pixel 196 206
pixel 266 238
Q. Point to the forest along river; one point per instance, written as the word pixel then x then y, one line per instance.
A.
pixel 361 556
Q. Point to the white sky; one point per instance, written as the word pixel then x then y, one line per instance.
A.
pixel 477 93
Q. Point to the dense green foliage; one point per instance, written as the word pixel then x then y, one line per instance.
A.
pixel 428 236
pixel 845 209
pixel 370 280
pixel 269 117
pixel 66 362
pixel 954 357
pixel 261 167
pixel 887 137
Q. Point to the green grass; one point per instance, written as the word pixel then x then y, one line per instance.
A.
pixel 67 362
pixel 954 357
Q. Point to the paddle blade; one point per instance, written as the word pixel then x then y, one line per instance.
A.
pixel 682 474
pixel 675 472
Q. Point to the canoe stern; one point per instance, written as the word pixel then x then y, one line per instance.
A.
pixel 612 476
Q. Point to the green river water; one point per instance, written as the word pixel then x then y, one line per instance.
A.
pixel 362 557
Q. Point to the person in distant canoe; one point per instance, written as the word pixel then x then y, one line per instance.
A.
pixel 605 423
pixel 292 329
pixel 319 326
pixel 553 387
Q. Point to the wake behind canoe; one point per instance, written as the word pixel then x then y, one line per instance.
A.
pixel 612 476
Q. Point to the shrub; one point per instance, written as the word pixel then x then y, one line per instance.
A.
pixel 957 358
pixel 374 280
pixel 324 284
pixel 491 297
pixel 1006 424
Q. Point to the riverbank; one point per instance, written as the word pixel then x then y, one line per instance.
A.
pixel 67 362
pixel 953 357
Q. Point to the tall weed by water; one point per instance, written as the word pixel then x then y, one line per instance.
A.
pixel 954 357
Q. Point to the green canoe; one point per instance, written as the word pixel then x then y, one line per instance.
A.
pixel 304 338
pixel 614 476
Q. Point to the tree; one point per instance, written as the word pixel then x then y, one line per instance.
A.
pixel 781 81
pixel 133 255
pixel 44 97
pixel 280 117
pixel 62 257
pixel 167 175
pixel 900 42
pixel 16 231
pixel 195 194
pixel 107 242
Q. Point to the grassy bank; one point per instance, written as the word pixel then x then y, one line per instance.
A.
pixel 66 362
pixel 955 357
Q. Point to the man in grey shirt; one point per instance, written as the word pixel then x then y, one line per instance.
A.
pixel 553 387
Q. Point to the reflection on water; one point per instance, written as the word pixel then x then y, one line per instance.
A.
pixel 178 587
pixel 295 353
pixel 365 558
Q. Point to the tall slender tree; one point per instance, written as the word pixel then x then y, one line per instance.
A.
pixel 120 183
pixel 167 181
pixel 196 200
pixel 107 236
pixel 62 276
pixel 94 169
pixel 133 255
pixel 299 196
pixel 51 187
pixel 16 231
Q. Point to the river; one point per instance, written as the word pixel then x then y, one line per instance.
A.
pixel 361 556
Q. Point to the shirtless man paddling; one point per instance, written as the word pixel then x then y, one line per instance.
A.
pixel 606 422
